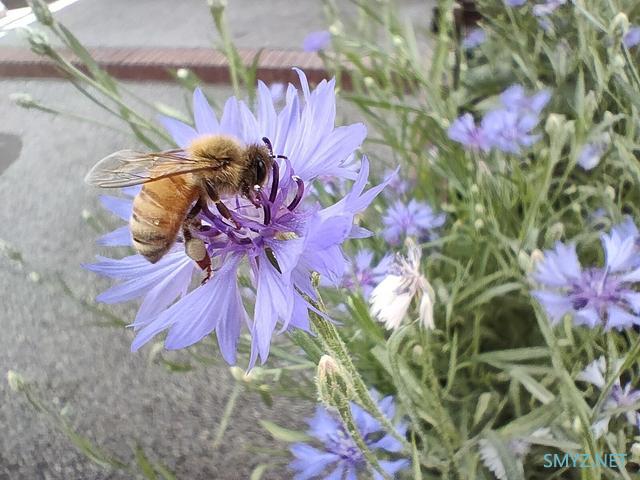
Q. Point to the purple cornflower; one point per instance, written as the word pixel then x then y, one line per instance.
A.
pixel 363 274
pixel 510 131
pixel 591 153
pixel 415 219
pixel 593 296
pixel 547 8
pixel 632 37
pixel 508 128
pixel 619 396
pixel 339 458
pixel 316 41
pixel 465 131
pixel 515 99
pixel 474 38
pixel 281 240
pixel 398 186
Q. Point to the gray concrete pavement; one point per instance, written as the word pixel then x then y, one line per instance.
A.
pixel 188 23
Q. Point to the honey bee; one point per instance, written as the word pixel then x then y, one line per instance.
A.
pixel 177 185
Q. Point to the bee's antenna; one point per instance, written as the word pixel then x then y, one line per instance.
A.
pixel 270 147
pixel 268 144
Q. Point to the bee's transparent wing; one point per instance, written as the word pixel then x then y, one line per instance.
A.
pixel 130 167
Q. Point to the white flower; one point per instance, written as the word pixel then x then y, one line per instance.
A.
pixel 619 396
pixel 391 299
pixel 594 372
pixel 519 447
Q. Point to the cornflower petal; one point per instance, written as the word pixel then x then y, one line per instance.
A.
pixel 198 313
pixel 632 37
pixel 120 207
pixel 120 237
pixel 181 133
pixel 205 118
pixel 339 447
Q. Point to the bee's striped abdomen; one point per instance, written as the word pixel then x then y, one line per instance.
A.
pixel 158 213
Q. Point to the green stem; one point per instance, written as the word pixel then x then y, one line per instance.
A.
pixel 333 343
pixel 226 415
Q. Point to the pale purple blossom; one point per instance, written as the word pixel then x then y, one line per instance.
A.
pixel 364 273
pixel 465 131
pixel 514 3
pixel 474 38
pixel 591 154
pixel 414 219
pixel 336 455
pixel 316 41
pixel 510 131
pixel 595 296
pixel 547 8
pixel 632 37
pixel 279 242
pixel 399 185
pixel 509 128
pixel 515 99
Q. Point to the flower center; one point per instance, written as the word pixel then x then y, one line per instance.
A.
pixel 341 444
pixel 596 288
pixel 247 229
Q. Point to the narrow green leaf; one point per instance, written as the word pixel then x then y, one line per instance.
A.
pixel 144 464
pixel 284 434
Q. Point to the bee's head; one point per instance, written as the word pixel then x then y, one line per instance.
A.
pixel 258 167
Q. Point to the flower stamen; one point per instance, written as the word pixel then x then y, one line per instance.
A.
pixel 296 200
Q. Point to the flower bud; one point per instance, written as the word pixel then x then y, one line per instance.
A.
pixel 397 40
pixel 335 29
pixel 635 452
pixel 536 257
pixel 38 41
pixel 217 4
pixel 474 189
pixel 23 100
pixel 610 192
pixel 417 353
pixel 524 261
pixel 478 224
pixel 369 82
pixel 41 11
pixel 334 387
pixel 618 62
pixel 34 277
pixel 619 24
pixel 555 123
pixel 590 104
pixel 555 232
pixel 182 73
pixel 479 208
pixel 15 381
pixel 237 373
pixel 577 425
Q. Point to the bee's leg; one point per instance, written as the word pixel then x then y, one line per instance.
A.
pixel 222 208
pixel 195 248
